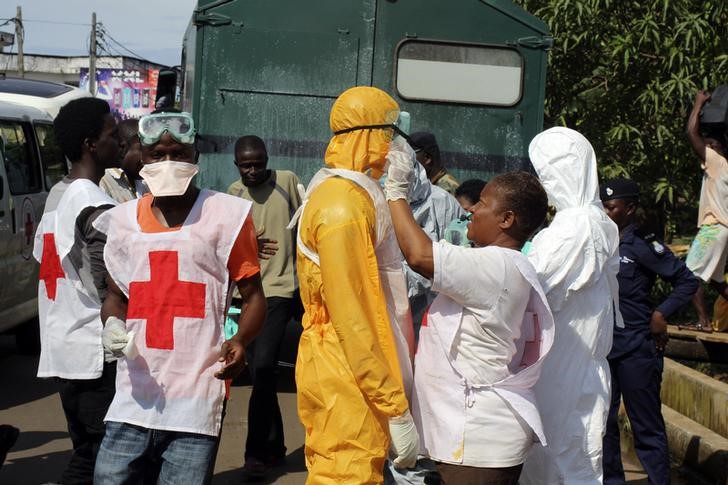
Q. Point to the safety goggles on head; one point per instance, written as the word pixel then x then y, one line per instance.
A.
pixel 179 125
pixel 401 125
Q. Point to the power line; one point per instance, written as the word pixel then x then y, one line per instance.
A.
pixel 105 33
pixel 56 22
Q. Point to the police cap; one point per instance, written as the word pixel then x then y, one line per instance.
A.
pixel 422 140
pixel 619 188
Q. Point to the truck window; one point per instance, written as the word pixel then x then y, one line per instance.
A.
pixel 21 166
pixel 460 73
pixel 53 161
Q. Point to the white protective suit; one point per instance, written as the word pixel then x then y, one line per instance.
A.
pixel 577 261
pixel 433 209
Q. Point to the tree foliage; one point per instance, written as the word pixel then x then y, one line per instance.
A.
pixel 624 73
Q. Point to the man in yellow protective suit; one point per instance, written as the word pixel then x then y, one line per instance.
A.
pixel 354 359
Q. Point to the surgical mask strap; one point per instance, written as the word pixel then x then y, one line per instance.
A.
pixel 373 127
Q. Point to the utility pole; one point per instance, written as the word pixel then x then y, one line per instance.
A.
pixel 92 57
pixel 19 40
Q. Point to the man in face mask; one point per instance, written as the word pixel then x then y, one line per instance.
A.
pixel 171 256
pixel 354 361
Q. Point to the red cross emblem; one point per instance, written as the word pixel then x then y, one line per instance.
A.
pixel 28 228
pixel 164 297
pixel 50 266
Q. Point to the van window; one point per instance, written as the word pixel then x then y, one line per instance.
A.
pixel 461 73
pixel 20 164
pixel 54 163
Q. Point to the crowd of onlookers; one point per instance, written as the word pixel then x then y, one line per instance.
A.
pixel 449 332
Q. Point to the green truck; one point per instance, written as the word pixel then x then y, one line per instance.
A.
pixel 471 71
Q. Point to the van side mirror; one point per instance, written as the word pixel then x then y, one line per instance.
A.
pixel 166 89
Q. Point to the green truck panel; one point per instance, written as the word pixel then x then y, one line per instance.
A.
pixel 274 68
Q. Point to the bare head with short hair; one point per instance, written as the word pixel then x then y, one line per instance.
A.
pixel 522 193
pixel 251 159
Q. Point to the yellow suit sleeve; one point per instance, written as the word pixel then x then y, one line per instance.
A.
pixel 353 294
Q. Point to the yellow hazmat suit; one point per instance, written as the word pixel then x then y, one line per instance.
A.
pixel 347 373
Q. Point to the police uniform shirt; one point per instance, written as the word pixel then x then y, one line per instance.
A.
pixel 642 259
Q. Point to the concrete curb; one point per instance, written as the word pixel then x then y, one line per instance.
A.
pixel 691 445
pixel 696 395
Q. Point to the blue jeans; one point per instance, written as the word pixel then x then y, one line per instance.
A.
pixel 127 451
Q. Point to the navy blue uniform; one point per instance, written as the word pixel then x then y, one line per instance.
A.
pixel 634 362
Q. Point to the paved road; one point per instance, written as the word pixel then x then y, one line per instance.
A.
pixel 43 448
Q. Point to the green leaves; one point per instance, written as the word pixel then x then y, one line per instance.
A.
pixel 624 73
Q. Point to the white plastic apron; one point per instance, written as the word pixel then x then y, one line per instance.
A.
pixel 389 261
pixel 70 327
pixel 443 398
pixel 177 285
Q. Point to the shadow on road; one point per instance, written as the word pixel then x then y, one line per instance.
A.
pixel 35 469
pixel 295 463
pixel 18 384
pixel 33 439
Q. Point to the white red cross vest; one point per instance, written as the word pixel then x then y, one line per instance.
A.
pixel 442 392
pixel 177 284
pixel 70 326
pixel 389 260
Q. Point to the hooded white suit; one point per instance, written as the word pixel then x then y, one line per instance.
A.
pixel 577 261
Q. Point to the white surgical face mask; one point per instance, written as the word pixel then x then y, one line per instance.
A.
pixel 168 178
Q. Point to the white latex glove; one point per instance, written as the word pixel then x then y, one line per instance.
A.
pixel 405 440
pixel 401 172
pixel 116 340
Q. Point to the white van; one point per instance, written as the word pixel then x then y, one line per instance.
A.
pixel 32 164
pixel 45 95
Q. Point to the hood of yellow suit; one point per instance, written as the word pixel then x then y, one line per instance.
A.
pixel 361 150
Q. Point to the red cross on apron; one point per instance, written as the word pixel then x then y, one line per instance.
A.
pixel 163 298
pixel 50 266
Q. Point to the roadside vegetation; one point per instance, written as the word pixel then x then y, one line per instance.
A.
pixel 624 73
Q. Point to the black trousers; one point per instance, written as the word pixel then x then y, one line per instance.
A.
pixel 85 403
pixel 637 378
pixel 265 441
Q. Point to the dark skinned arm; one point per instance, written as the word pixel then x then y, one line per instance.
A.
pixel 693 128
pixel 413 241
pixel 115 304
pixel 252 315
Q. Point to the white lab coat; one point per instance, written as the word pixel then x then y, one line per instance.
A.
pixel 444 399
pixel 577 262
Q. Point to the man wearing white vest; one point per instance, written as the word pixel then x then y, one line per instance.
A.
pixel 72 280
pixel 171 257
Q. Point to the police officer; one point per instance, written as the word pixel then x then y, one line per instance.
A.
pixel 636 359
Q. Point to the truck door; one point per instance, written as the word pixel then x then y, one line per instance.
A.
pixel 25 199
pixel 472 73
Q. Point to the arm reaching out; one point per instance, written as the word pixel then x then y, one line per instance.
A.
pixel 693 128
